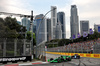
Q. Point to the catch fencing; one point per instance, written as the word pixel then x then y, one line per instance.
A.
pixel 86 47
pixel 39 50
pixel 14 47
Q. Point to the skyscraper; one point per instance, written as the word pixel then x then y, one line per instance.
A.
pixel 84 26
pixel 34 26
pixel 41 34
pixel 61 19
pixel 19 22
pixel 97 27
pixel 49 29
pixel 26 23
pixel 74 25
pixel 58 31
pixel 53 21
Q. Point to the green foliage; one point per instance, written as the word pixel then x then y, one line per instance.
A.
pixel 62 42
pixel 55 40
pixel 96 35
pixel 34 39
pixel 9 28
pixel 29 35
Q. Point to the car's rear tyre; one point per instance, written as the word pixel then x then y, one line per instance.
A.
pixel 79 57
pixel 69 59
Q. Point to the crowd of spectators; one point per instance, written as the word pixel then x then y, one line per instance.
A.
pixel 82 47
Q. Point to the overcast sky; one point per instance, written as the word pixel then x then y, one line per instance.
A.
pixel 87 9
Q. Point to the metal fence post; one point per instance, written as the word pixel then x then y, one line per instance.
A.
pixel 15 47
pixel 81 48
pixel 30 49
pixel 24 47
pixel 77 48
pixel 41 49
pixel 4 48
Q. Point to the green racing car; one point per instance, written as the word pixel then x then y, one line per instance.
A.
pixel 60 59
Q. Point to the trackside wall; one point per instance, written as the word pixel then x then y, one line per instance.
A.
pixel 81 54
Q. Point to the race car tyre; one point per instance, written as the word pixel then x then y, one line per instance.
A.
pixel 51 59
pixel 72 57
pixel 62 59
pixel 69 59
pixel 79 57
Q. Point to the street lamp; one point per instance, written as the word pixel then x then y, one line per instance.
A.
pixel 40 24
pixel 31 29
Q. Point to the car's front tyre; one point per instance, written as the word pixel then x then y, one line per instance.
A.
pixel 51 59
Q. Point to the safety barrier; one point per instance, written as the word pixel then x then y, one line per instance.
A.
pixel 81 54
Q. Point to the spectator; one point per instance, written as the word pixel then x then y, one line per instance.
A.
pixel 91 49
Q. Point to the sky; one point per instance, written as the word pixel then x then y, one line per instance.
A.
pixel 87 9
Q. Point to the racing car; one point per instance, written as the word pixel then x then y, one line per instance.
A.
pixel 60 59
pixel 76 56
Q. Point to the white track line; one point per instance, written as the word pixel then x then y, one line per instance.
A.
pixel 33 62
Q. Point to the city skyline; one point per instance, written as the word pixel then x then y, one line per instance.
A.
pixel 87 10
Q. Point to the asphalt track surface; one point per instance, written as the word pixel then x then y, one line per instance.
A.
pixel 74 62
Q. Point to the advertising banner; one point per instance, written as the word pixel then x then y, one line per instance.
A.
pixel 15 59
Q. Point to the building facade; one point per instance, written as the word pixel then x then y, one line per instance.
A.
pixel 74 25
pixel 41 34
pixel 84 26
pixel 97 27
pixel 49 29
pixel 58 31
pixel 19 22
pixel 34 26
pixel 53 21
pixel 61 19
pixel 26 23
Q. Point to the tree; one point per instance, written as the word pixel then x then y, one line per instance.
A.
pixel 63 42
pixel 96 35
pixel 9 28
pixel 15 28
pixel 29 36
pixel 12 34
pixel 34 39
